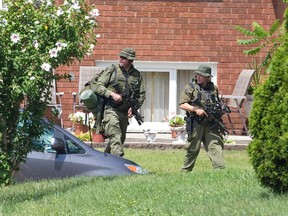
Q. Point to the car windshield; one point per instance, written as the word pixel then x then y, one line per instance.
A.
pixel 43 143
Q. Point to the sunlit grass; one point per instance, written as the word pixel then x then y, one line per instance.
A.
pixel 165 191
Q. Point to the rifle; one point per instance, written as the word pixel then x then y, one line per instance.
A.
pixel 212 118
pixel 132 103
pixel 135 112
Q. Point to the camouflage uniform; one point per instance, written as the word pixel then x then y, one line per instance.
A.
pixel 115 117
pixel 204 131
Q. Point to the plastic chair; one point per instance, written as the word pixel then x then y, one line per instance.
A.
pixel 236 101
pixel 56 101
pixel 86 73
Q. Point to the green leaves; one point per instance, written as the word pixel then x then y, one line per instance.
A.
pixel 258 36
pixel 259 31
pixel 246 32
pixel 248 41
pixel 268 119
pixel 4 169
pixel 253 51
pixel 36 38
pixel 275 26
pixel 268 126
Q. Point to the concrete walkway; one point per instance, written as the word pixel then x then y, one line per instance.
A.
pixel 165 140
pixel 135 137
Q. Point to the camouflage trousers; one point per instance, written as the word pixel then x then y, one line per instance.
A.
pixel 115 125
pixel 213 144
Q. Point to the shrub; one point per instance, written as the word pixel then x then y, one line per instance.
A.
pixel 269 126
pixel 37 36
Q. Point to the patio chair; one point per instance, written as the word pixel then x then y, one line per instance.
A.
pixel 237 101
pixel 86 73
pixel 56 101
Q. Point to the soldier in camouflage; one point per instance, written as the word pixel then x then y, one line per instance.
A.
pixel 128 81
pixel 203 130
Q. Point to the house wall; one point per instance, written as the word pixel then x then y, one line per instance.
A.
pixel 180 30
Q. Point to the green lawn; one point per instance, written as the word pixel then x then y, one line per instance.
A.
pixel 165 191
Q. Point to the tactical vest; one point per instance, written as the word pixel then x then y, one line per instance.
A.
pixel 208 96
pixel 128 84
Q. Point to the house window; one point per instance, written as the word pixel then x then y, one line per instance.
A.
pixel 156 105
pixel 164 82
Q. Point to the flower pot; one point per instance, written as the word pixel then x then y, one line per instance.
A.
pixel 173 131
pixel 80 128
pixel 173 134
pixel 178 133
pixel 98 138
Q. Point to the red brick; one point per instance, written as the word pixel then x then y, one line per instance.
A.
pixel 176 31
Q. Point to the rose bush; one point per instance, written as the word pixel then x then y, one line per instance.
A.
pixel 37 36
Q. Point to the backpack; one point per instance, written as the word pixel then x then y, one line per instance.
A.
pixel 92 101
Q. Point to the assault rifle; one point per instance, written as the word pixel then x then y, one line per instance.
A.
pixel 132 103
pixel 211 116
pixel 135 112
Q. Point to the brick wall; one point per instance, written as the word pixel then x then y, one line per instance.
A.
pixel 179 30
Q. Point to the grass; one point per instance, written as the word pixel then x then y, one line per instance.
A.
pixel 165 191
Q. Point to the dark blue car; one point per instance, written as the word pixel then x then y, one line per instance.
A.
pixel 64 155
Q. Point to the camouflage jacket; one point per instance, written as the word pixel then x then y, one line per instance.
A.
pixel 104 85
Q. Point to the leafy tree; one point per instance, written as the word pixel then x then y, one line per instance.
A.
pixel 37 36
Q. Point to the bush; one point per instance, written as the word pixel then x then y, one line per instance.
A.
pixel 36 38
pixel 269 127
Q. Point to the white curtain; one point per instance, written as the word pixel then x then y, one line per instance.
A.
pixel 156 105
pixel 184 77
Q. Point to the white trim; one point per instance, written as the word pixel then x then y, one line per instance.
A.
pixel 163 66
pixel 172 92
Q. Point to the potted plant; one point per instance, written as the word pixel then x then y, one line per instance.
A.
pixel 81 121
pixel 176 123
pixel 97 137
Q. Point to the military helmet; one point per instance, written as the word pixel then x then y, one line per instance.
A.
pixel 128 53
pixel 204 70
